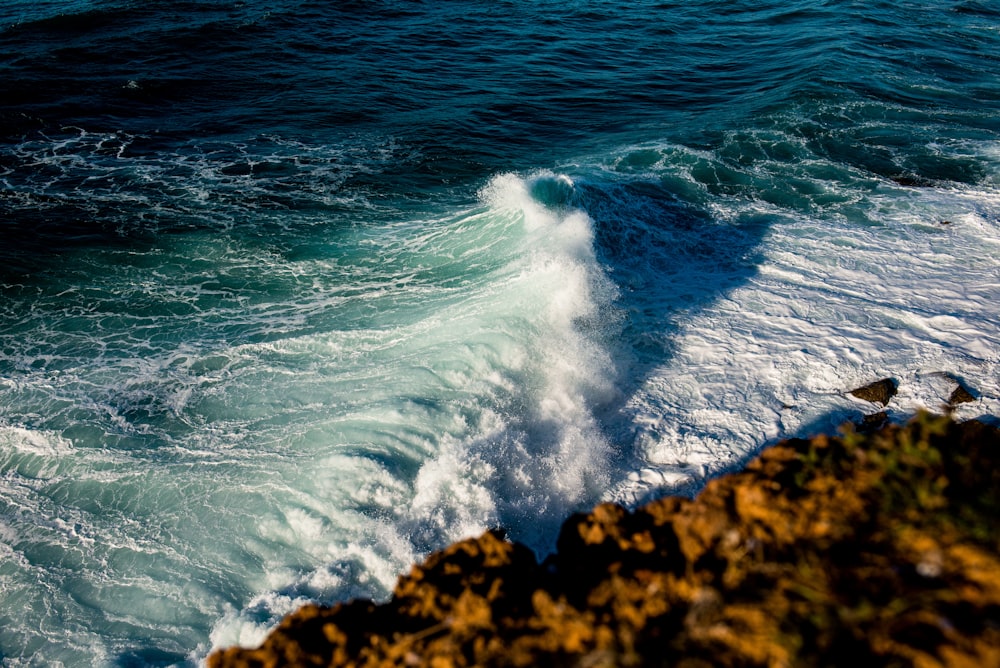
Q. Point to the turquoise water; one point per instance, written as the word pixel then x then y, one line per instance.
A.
pixel 293 293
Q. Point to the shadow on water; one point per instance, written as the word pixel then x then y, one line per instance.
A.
pixel 670 259
pixel 149 658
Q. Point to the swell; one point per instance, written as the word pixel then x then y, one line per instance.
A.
pixel 136 69
pixel 507 92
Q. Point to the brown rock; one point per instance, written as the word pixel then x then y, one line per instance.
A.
pixel 879 392
pixel 868 549
pixel 960 395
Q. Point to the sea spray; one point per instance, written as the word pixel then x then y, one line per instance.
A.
pixel 501 386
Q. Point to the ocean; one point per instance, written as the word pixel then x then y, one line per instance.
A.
pixel 293 293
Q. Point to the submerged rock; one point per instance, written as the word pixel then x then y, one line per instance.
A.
pixel 877 549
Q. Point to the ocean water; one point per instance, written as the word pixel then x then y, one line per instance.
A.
pixel 294 292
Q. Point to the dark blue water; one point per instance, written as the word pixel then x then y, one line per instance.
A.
pixel 292 293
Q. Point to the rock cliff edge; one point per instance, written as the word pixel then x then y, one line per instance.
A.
pixel 866 549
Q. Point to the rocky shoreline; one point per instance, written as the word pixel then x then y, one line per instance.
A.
pixel 875 547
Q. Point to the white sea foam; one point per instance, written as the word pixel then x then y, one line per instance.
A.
pixel 830 306
pixel 256 430
pixel 480 413
pixel 26 441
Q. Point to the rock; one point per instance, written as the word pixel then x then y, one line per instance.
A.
pixel 879 392
pixel 863 549
pixel 960 395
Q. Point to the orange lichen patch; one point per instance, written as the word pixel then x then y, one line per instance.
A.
pixel 701 525
pixel 868 549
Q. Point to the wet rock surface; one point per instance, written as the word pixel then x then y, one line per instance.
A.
pixel 863 549
pixel 879 392
pixel 961 395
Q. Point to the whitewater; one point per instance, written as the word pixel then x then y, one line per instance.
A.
pixel 293 294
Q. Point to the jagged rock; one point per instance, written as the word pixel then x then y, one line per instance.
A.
pixel 960 395
pixel 877 549
pixel 879 392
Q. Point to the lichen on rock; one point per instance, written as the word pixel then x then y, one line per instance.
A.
pixel 880 548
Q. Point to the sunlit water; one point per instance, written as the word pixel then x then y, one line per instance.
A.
pixel 293 293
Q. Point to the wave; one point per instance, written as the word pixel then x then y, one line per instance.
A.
pixel 375 385
pixel 509 376
pixel 287 300
pixel 441 377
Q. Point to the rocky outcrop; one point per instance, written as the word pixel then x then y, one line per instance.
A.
pixel 879 392
pixel 863 549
